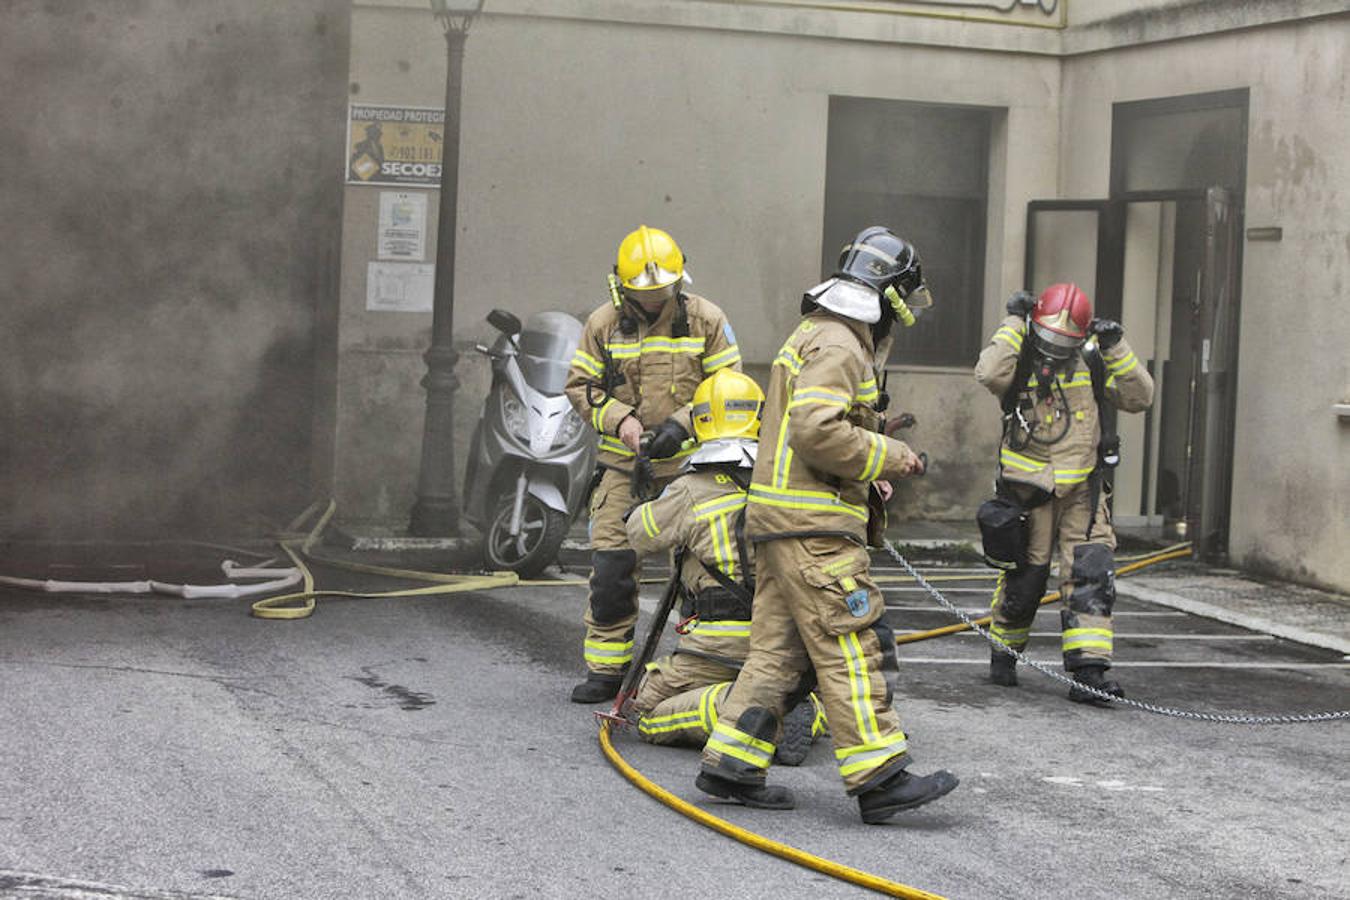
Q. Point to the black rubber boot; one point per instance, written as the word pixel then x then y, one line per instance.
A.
pixel 1002 668
pixel 760 796
pixel 904 791
pixel 597 688
pixel 796 741
pixel 1094 677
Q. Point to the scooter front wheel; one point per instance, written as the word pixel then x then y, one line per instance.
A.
pixel 529 551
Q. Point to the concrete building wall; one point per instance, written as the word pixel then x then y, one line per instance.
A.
pixel 575 131
pixel 1292 454
pixel 582 118
pixel 170 209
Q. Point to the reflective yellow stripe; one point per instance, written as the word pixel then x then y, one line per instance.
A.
pixel 860 687
pixel 588 364
pixel 598 414
pixel 707 705
pixel 723 628
pixel 1087 638
pixel 654 344
pixel 719 506
pixel 739 745
pixel 624 349
pixel 1013 637
pixel 721 541
pixel 665 724
pixel 876 459
pixel 649 521
pixel 867 392
pixel 870 755
pixel 782 457
pixel 788 359
pixel 1072 476
pixel 1019 462
pixel 822 395
pixel 1123 365
pixel 818 501
pixel 721 360
pixel 1009 336
pixel 610 653
pixel 1079 379
pixel 614 445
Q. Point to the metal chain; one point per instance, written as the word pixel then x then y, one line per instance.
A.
pixel 1224 718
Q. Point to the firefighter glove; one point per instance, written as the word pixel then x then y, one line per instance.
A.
pixel 1021 304
pixel 667 439
pixel 1107 331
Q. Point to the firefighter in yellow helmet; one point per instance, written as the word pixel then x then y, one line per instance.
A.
pixel 704 512
pixel 815 604
pixel 640 358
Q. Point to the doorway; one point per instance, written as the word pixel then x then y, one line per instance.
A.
pixel 1162 255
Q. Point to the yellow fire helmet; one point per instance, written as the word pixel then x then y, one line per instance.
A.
pixel 649 259
pixel 727 405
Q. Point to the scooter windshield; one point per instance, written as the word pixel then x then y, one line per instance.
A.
pixel 547 345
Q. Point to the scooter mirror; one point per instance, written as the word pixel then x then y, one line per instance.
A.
pixel 504 322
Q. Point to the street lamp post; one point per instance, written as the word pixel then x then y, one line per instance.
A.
pixel 436 512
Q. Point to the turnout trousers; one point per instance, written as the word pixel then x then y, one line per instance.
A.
pixel 612 609
pixel 815 606
pixel 1087 579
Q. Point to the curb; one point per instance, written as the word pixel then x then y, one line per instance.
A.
pixel 1242 620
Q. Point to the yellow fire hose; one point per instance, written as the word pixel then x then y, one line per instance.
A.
pixel 800 857
pixel 759 842
pixel 1175 552
pixel 300 605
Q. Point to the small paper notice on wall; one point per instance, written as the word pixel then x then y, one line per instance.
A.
pixel 399 287
pixel 403 225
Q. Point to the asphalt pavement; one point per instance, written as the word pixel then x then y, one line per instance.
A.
pixel 160 746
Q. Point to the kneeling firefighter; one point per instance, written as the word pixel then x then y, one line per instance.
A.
pixel 1060 374
pixel 815 604
pixel 639 359
pixel 703 511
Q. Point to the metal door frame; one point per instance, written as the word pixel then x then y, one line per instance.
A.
pixel 1110 288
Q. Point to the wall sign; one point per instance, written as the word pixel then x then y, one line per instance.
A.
pixel 399 287
pixel 395 145
pixel 403 225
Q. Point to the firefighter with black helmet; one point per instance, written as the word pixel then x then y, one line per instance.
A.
pixel 703 511
pixel 639 360
pixel 816 607
pixel 1059 372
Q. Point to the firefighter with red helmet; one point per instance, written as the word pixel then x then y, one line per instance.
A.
pixel 1060 372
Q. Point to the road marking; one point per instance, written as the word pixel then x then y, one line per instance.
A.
pixel 984 610
pixel 1123 636
pixel 1243 620
pixel 1133 664
pixel 26 884
pixel 1109 785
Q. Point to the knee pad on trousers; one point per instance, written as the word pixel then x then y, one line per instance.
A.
pixel 612 585
pixel 1094 580
pixel 1022 592
pixel 890 660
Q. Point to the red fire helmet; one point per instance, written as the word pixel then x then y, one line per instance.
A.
pixel 1060 319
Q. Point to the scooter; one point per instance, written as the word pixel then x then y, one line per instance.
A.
pixel 532 457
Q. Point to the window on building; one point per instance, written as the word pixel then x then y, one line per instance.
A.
pixel 923 171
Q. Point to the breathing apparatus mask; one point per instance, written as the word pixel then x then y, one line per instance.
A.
pixel 879 281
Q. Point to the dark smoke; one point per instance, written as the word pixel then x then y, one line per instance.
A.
pixel 171 199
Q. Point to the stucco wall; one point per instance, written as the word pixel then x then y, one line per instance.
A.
pixel 171 213
pixel 575 131
pixel 1291 472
